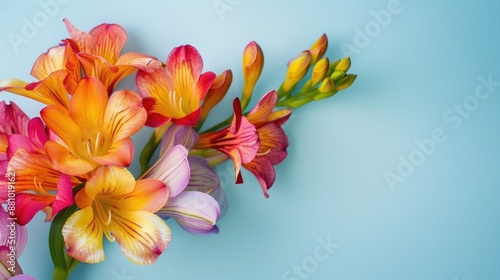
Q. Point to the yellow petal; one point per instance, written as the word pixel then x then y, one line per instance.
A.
pixel 142 236
pixel 18 87
pixel 149 195
pixel 124 115
pixel 113 180
pixel 83 237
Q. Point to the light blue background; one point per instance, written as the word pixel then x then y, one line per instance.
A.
pixel 442 222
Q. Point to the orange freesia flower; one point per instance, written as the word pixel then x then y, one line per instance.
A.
pixel 117 206
pixel 239 141
pixel 99 54
pixel 51 72
pixel 175 92
pixel 273 140
pixel 95 130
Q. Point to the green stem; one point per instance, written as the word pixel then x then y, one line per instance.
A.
pixel 56 244
pixel 148 152
pixel 220 125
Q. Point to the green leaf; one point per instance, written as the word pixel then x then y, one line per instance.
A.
pixel 63 264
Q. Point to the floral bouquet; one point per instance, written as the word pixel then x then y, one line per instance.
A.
pixel 71 162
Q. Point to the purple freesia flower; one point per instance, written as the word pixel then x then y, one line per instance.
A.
pixel 192 207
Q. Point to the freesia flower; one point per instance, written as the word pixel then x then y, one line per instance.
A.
pixel 239 141
pixel 297 69
pixel 253 62
pixel 38 185
pixel 99 54
pixel 13 239
pixel 273 140
pixel 117 206
pixel 51 72
pixel 95 130
pixel 12 121
pixel 191 201
pixel 175 92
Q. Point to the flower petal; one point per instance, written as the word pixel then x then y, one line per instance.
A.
pixel 263 171
pixel 52 88
pixel 64 196
pixel 49 62
pixel 184 56
pixel 21 232
pixel 263 109
pixel 178 135
pixel 139 61
pixel 149 195
pixel 64 161
pixel 12 119
pixel 273 142
pixel 142 236
pixel 88 103
pixel 152 84
pixel 108 41
pixel 36 133
pixel 172 169
pixel 6 264
pixel 196 212
pixel 27 205
pixel 124 115
pixel 19 87
pixel 68 131
pixel 120 154
pixel 154 119
pixel 110 179
pixel 83 237
pixel 203 177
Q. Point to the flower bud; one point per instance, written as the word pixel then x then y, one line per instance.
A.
pixel 326 86
pixel 337 74
pixel 319 71
pixel 297 69
pixel 344 64
pixel 345 82
pixel 216 93
pixel 318 49
pixel 253 62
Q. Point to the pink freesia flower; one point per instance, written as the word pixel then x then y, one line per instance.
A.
pixel 39 186
pixel 239 141
pixel 273 140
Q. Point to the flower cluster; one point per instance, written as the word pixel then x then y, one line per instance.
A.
pixel 72 161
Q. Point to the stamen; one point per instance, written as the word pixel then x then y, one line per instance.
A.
pixel 97 138
pixel 264 153
pixel 89 150
pixel 109 218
